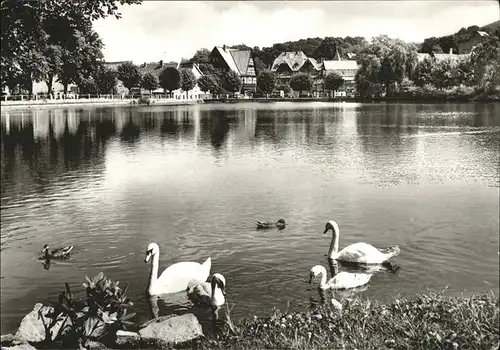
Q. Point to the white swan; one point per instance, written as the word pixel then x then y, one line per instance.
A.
pixel 363 253
pixel 208 293
pixel 176 277
pixel 342 280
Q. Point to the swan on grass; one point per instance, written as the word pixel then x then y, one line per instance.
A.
pixel 342 280
pixel 363 253
pixel 208 293
pixel 176 277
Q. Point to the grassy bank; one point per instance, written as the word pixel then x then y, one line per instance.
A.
pixel 426 321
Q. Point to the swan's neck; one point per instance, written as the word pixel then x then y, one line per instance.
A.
pixel 154 271
pixel 322 282
pixel 334 245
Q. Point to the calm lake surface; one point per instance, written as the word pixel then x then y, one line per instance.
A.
pixel 195 178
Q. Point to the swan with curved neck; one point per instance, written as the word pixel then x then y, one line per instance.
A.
pixel 363 253
pixel 176 277
pixel 342 280
pixel 208 293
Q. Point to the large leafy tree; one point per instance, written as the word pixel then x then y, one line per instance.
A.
pixel 150 81
pixel 333 81
pixel 170 79
pixel 423 72
pixel 326 49
pixel 207 83
pixel 106 80
pixel 388 62
pixel 484 55
pixel 201 56
pixel 443 74
pixel 231 81
pixel 188 80
pixel 266 82
pixel 129 74
pixel 367 76
pixel 301 82
pixel 30 28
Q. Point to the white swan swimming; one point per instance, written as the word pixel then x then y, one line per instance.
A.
pixel 363 253
pixel 342 280
pixel 208 293
pixel 176 277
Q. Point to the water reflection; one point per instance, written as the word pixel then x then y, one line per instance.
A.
pixel 193 179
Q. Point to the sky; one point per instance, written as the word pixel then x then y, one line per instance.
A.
pixel 171 30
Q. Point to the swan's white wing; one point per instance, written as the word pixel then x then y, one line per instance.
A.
pixel 176 277
pixel 201 293
pixel 361 253
pixel 344 280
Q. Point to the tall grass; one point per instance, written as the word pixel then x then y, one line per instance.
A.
pixel 426 321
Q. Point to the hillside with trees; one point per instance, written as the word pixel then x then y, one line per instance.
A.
pixel 443 44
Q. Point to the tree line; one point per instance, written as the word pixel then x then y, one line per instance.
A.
pixel 391 66
pixel 54 39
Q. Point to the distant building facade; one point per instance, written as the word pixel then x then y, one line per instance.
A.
pixel 347 69
pixel 241 62
pixel 288 64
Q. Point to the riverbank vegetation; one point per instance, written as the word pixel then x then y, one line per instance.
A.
pixel 429 320
pixel 425 321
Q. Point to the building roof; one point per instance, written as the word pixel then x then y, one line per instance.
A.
pixel 482 33
pixel 441 56
pixel 190 65
pixel 294 60
pixel 340 65
pixel 237 60
pixel 225 52
pixel 115 64
pixel 241 59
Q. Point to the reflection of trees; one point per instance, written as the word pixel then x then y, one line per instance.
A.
pixel 130 131
pixel 38 160
pixel 214 128
pixel 266 127
pixel 176 124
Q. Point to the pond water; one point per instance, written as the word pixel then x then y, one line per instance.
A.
pixel 195 178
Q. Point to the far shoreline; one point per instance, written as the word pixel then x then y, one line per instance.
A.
pixel 34 104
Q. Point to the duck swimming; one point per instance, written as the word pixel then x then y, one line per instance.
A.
pixel 58 253
pixel 262 225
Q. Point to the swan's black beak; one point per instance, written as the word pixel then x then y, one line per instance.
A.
pixel 311 277
pixel 148 256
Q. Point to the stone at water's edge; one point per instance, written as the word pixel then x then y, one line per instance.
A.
pixel 32 329
pixel 11 342
pixel 172 329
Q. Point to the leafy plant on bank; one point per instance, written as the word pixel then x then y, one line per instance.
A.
pixel 98 315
